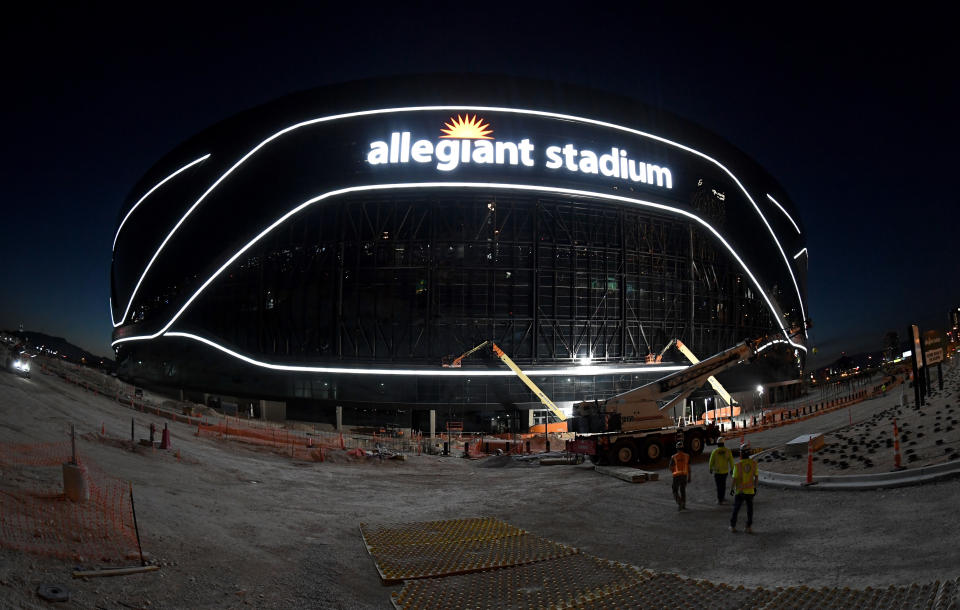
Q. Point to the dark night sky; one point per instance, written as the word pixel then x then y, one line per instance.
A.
pixel 854 113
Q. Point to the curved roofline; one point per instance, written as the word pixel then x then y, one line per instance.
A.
pixel 437 89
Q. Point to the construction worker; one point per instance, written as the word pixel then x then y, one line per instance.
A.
pixel 680 467
pixel 721 463
pixel 745 480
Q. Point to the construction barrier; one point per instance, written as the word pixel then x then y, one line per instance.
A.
pixel 36 516
pixel 299 444
pixel 781 417
pixel 305 445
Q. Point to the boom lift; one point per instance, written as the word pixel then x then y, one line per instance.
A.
pixel 651 359
pixel 457 362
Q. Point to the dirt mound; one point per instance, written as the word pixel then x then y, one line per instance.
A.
pixel 928 435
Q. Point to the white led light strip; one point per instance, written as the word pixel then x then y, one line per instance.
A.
pixel 553 115
pixel 135 206
pixel 766 345
pixel 150 192
pixel 797 255
pixel 796 286
pixel 777 203
pixel 461 185
pixel 579 370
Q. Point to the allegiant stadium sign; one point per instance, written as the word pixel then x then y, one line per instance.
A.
pixel 468 140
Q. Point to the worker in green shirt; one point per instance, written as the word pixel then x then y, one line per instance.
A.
pixel 745 480
pixel 721 463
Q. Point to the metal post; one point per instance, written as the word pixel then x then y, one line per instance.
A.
pixel 916 370
pixel 546 435
pixel 136 528
pixel 73 445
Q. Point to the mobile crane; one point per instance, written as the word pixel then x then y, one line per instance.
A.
pixel 451 362
pixel 636 425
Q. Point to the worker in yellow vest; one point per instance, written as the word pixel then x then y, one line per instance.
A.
pixel 680 467
pixel 745 480
pixel 721 463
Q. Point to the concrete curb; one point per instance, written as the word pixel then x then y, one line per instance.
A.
pixel 880 480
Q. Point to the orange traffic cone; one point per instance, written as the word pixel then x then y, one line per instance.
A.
pixel 809 461
pixel 309 441
pixel 896 447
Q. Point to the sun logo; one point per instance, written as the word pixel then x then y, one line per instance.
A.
pixel 467 128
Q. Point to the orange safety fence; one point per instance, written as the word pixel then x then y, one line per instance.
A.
pixel 521 445
pixel 301 444
pixel 776 417
pixel 36 516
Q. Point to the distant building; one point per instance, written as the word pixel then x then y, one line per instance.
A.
pixel 891 346
pixel 332 247
pixel 953 325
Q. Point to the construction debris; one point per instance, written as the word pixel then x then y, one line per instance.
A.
pixel 630 475
pixel 114 571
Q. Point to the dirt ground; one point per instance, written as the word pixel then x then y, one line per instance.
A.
pixel 929 435
pixel 233 526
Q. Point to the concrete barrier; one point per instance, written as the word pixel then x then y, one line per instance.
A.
pixel 798 446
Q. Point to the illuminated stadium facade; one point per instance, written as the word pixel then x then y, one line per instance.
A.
pixel 332 247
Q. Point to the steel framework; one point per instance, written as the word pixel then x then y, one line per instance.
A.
pixel 407 280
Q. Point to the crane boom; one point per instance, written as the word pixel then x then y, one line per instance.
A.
pixel 529 383
pixel 711 379
pixel 646 407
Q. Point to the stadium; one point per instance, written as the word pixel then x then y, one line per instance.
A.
pixel 334 248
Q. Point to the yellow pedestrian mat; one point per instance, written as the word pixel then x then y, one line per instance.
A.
pixel 437 532
pixel 487 563
pixel 585 582
pixel 442 548
pixel 572 581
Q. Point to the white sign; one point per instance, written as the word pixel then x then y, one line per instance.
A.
pixel 933 347
pixel 933 356
pixel 450 152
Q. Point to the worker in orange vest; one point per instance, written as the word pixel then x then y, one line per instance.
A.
pixel 745 479
pixel 680 467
